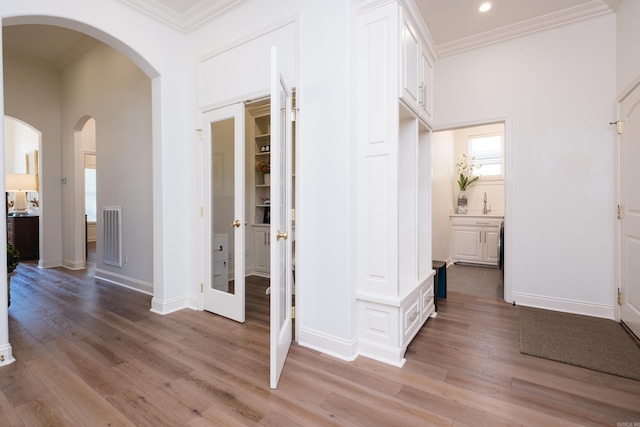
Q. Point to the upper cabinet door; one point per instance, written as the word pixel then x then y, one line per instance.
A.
pixel 426 87
pixel 416 72
pixel 410 76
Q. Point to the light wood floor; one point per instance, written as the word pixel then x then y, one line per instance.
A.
pixel 92 354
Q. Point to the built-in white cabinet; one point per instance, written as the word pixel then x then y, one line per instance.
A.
pixel 258 148
pixel 258 134
pixel 394 267
pixel 221 262
pixel 416 70
pixel 261 135
pixel 261 250
pixel 426 104
pixel 475 239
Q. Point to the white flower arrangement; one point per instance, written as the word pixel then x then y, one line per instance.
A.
pixel 465 167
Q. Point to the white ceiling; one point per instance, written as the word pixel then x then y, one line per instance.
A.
pixel 455 25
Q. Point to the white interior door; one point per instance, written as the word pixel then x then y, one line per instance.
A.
pixel 224 211
pixel 629 238
pixel 281 226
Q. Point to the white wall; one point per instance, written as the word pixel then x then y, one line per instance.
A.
pixel 23 83
pixel 442 193
pixel 117 95
pixel 324 292
pixel 20 139
pixel 557 88
pixel 160 52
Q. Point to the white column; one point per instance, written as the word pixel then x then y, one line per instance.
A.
pixel 6 355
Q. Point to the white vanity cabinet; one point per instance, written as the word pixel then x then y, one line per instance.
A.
pixel 394 293
pixel 475 239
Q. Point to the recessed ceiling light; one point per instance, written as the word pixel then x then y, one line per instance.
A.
pixel 484 7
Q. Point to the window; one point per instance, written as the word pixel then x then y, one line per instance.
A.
pixel 487 150
pixel 90 187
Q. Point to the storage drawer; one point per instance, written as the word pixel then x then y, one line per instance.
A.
pixel 410 315
pixel 427 299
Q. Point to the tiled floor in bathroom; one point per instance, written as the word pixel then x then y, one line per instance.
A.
pixel 475 280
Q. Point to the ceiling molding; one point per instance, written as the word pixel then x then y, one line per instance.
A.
pixel 191 19
pixel 563 17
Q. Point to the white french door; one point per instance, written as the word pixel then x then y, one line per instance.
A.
pixel 629 227
pixel 224 211
pixel 281 224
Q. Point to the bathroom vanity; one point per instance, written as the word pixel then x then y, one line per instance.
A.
pixel 475 238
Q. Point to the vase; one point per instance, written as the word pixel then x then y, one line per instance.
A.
pixel 462 203
pixel 267 179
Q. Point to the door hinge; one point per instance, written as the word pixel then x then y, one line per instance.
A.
pixel 619 212
pixel 200 134
pixel 619 297
pixel 293 312
pixel 201 211
pixel 618 126
pixel 201 287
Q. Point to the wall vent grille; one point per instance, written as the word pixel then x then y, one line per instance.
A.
pixel 112 236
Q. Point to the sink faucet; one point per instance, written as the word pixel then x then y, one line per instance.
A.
pixel 484 209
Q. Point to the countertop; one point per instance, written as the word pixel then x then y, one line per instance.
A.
pixel 489 215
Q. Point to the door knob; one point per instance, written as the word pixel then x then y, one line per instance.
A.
pixel 236 223
pixel 281 235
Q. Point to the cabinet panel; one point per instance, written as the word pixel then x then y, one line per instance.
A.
pixel 427 300
pixel 416 73
pixel 410 314
pixel 261 250
pixel 426 88
pixel 410 71
pixel 467 243
pixel 491 239
pixel 23 232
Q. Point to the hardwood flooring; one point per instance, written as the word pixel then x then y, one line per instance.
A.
pixel 90 353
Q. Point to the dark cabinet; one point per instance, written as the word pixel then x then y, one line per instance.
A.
pixel 23 233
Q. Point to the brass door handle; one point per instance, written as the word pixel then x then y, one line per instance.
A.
pixel 236 223
pixel 282 235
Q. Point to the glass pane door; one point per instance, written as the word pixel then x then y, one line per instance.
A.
pixel 281 225
pixel 224 213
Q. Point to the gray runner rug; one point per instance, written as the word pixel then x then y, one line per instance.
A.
pixel 590 342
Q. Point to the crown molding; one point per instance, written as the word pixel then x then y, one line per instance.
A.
pixel 188 21
pixel 563 17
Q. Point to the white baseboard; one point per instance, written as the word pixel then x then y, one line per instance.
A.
pixel 6 355
pixel 163 307
pixel 127 282
pixel 73 264
pixel 333 346
pixel 381 353
pixel 564 305
pixel 49 263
